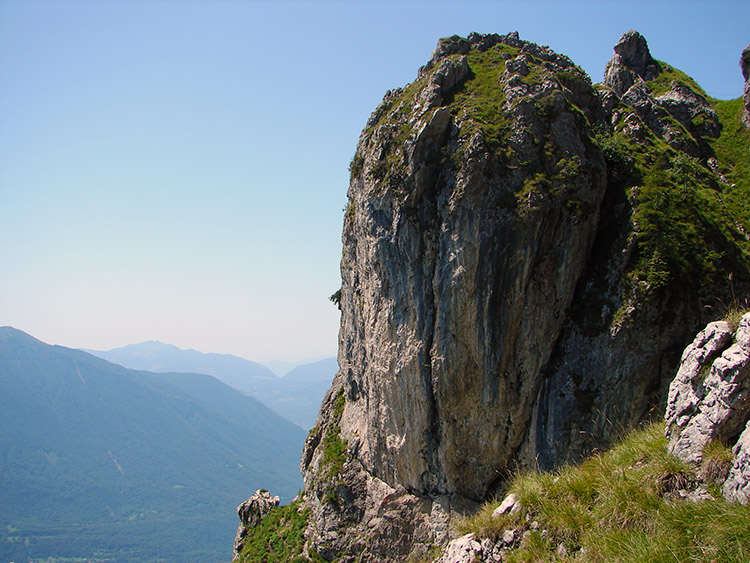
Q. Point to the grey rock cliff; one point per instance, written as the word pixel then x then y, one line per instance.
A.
pixel 489 320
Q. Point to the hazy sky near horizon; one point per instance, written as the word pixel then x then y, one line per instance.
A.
pixel 178 171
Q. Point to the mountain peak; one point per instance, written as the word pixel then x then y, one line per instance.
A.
pixel 631 62
pixel 633 49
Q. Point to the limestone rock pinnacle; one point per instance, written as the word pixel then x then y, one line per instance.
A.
pixel 631 62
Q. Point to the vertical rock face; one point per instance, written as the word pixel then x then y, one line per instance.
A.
pixel 620 345
pixel 505 298
pixel 457 272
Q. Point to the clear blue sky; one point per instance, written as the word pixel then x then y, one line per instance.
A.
pixel 177 170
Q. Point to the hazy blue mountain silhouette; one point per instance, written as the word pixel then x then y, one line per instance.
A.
pixel 296 396
pixel 249 377
pixel 98 460
pixel 299 393
pixel 280 367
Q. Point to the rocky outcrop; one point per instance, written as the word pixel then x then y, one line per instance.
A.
pixel 745 64
pixel 433 252
pixel 737 485
pixel 681 114
pixel 251 512
pixel 493 311
pixel 709 399
pixel 631 64
pixel 700 398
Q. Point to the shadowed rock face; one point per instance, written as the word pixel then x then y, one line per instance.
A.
pixel 486 318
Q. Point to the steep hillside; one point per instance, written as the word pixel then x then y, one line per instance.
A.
pixel 526 254
pixel 105 463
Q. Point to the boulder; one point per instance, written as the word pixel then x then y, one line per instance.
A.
pixel 465 549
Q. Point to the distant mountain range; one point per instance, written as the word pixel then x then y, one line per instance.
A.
pixel 106 463
pixel 296 396
pixel 280 368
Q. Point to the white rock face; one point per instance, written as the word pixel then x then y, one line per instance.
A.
pixel 737 486
pixel 509 505
pixel 709 398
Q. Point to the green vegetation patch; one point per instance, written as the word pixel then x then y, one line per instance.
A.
pixel 732 150
pixel 478 102
pixel 662 83
pixel 279 538
pixel 334 447
pixel 619 506
pixel 684 220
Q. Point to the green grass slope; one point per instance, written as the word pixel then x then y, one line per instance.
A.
pixel 623 505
